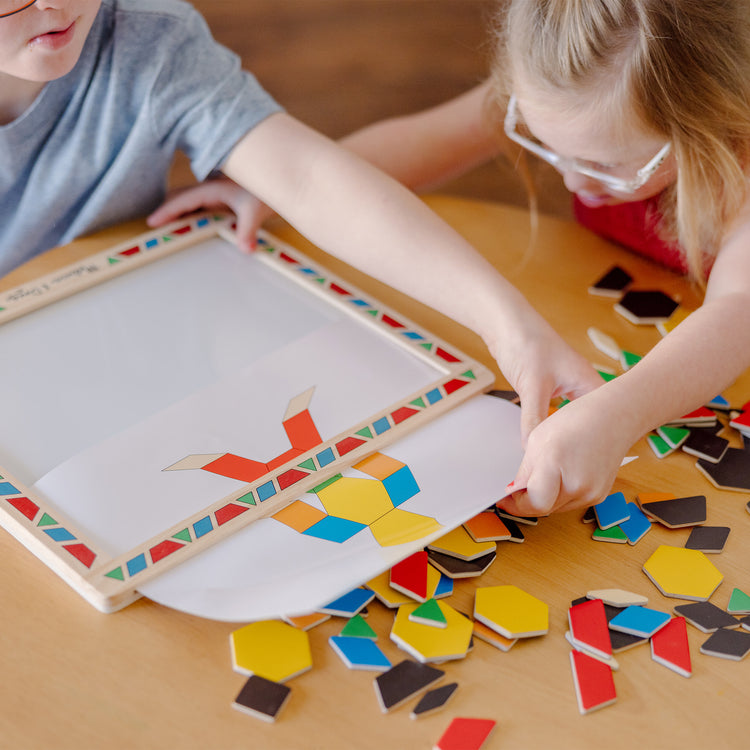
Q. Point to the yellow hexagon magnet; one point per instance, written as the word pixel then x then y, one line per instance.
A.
pixel 682 573
pixel 270 649
pixel 511 612
pixel 429 644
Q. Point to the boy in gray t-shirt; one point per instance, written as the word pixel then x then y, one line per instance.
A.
pixel 97 95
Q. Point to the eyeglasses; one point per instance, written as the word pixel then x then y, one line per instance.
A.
pixel 513 129
pixel 11 7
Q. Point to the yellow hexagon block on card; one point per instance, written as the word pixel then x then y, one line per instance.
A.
pixel 683 573
pixel 270 649
pixel 511 612
pixel 356 499
pixel 430 644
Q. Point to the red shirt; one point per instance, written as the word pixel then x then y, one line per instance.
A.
pixel 632 225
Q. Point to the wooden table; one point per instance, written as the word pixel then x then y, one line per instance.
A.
pixel 151 677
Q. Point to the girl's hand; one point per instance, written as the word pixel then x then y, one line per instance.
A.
pixel 214 194
pixel 571 459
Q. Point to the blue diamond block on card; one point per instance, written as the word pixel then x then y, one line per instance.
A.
pixel 640 621
pixel 611 511
pixel 636 527
pixel 334 529
pixel 401 485
pixel 349 604
pixel 359 653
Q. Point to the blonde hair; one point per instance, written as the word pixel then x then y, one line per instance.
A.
pixel 684 67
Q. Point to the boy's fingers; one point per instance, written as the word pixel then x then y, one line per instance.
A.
pixel 534 408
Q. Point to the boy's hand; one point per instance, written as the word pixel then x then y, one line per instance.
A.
pixel 214 194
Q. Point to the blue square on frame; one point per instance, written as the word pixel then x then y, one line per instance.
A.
pixel 6 488
pixel 59 535
pixel 266 490
pixel 401 485
pixel 203 526
pixel 611 511
pixel 434 396
pixel 334 529
pixel 137 564
pixel 325 457
pixel 381 425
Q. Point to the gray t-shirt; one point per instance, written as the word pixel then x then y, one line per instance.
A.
pixel 96 146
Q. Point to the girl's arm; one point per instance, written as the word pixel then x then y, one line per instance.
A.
pixel 426 149
pixel 343 204
pixel 574 455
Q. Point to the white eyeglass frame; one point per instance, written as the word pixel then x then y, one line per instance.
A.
pixel 618 184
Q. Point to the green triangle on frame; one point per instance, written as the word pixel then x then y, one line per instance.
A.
pixel 309 465
pixel 248 499
pixel 427 346
pixel 112 261
pixel 183 535
pixel 117 574
pixel 365 432
pixel 374 313
pixel 358 627
pixel 418 402
pixel 47 520
pixel 739 603
pixel 469 374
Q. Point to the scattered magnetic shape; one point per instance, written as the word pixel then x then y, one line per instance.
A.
pixel 660 447
pixel 741 422
pixel 727 644
pixel 679 512
pixel 745 622
pixel 624 641
pixel 270 649
pixel 670 647
pixel 700 417
pixel 433 700
pixel 455 568
pixel 359 653
pixel 349 604
pixel 612 284
pixel 458 543
pixel 618 597
pixel 604 342
pixel 516 535
pixel 444 587
pixel 709 539
pixel 673 436
pixel 506 395
pixel 667 326
pixel 358 627
pixel 739 603
pixel 637 526
pixel 430 614
pixel 307 622
pixel 646 307
pixel 381 587
pixel 511 611
pixel 487 527
pixel 262 698
pixel 615 534
pixel 682 573
pixel 589 516
pixel 705 616
pixel 403 681
pixel 640 621
pixel 593 681
pixel 718 402
pixel 523 520
pixel 488 635
pixel 611 511
pixel 654 497
pixel 588 627
pixel 705 445
pixel 465 734
pixel 410 576
pixel 629 359
pixel 431 644
pixel 732 472
pixel 610 661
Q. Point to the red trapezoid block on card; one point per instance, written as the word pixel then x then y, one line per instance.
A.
pixel 81 553
pixel 161 550
pixel 228 512
pixel 453 385
pixel 348 444
pixel 288 478
pixel 403 413
pixel 25 506
pixel 236 467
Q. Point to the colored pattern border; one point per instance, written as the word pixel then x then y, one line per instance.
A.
pixel 114 579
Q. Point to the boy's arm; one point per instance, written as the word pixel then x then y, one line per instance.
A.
pixel 354 211
pixel 428 148
pixel 685 370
